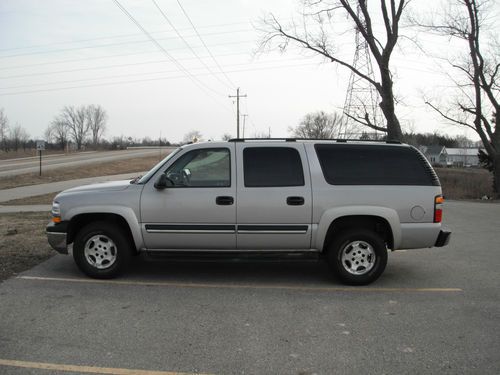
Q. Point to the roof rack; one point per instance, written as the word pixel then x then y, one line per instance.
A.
pixel 312 139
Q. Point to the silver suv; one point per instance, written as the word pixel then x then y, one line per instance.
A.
pixel 348 201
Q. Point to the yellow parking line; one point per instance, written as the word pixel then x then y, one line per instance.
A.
pixel 84 369
pixel 245 286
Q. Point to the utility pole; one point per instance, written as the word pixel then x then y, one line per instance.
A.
pixel 244 120
pixel 238 96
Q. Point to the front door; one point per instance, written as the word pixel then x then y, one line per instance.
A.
pixel 198 208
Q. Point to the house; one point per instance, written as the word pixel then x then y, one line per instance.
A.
pixel 436 155
pixel 463 157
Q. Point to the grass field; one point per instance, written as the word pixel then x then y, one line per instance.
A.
pixel 23 243
pixel 465 183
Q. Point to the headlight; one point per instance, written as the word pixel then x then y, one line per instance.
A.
pixel 56 212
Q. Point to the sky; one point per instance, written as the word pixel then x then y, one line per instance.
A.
pixel 156 81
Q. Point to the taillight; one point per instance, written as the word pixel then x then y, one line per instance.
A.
pixel 438 208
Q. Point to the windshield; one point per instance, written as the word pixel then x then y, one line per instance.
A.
pixel 153 170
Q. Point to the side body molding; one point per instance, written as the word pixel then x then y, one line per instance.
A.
pixel 330 215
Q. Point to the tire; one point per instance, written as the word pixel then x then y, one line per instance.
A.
pixel 102 250
pixel 357 257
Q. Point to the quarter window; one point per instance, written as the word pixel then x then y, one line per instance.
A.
pixel 206 167
pixel 272 167
pixel 374 165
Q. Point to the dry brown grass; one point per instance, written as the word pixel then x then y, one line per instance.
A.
pixel 37 199
pixel 90 170
pixel 26 153
pixel 26 246
pixel 465 183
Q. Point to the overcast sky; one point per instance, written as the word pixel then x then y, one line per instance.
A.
pixel 61 52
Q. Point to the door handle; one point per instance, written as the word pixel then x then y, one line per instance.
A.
pixel 295 201
pixel 224 201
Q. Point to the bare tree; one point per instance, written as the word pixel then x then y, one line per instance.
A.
pixel 192 136
pixel 226 136
pixel 4 130
pixel 75 120
pixel 321 42
pixel 96 117
pixel 59 132
pixel 319 125
pixel 48 134
pixel 18 136
pixel 477 105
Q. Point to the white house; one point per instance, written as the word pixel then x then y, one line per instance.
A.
pixel 437 155
pixel 463 157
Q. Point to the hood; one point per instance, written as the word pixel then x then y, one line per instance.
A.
pixel 102 186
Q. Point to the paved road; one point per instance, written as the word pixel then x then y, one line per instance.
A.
pixel 434 311
pixel 30 165
pixel 53 187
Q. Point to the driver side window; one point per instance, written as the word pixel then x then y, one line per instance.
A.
pixel 206 167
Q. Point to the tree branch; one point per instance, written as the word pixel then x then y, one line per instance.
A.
pixel 320 49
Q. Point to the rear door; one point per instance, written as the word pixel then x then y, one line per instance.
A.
pixel 274 206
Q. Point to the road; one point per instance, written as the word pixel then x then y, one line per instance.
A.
pixel 53 187
pixel 16 167
pixel 434 311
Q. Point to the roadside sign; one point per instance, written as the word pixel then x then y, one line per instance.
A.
pixel 40 145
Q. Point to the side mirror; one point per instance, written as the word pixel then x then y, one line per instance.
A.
pixel 163 182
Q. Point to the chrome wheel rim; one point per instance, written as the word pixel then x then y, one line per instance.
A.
pixel 100 251
pixel 358 257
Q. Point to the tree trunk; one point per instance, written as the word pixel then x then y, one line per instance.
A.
pixel 496 175
pixel 387 106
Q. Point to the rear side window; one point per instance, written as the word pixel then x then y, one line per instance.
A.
pixel 272 166
pixel 374 165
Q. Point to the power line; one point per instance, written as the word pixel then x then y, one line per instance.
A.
pixel 112 56
pixel 128 36
pixel 139 74
pixel 204 44
pixel 179 65
pixel 148 80
pixel 55 72
pixel 186 43
pixel 102 45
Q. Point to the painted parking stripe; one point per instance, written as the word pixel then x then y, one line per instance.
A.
pixel 246 286
pixel 85 369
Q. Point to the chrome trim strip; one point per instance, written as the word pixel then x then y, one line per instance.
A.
pixel 272 231
pixel 189 231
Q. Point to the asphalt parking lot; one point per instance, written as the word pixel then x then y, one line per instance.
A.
pixel 433 311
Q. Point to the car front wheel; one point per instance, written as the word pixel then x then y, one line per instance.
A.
pixel 101 250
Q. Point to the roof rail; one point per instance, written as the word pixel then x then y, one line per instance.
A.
pixel 313 139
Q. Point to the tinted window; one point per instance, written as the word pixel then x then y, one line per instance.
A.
pixel 374 165
pixel 272 166
pixel 206 167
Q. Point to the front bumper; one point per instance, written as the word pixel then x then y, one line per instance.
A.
pixel 57 236
pixel 443 238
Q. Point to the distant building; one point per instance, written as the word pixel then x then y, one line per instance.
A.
pixel 437 155
pixel 463 157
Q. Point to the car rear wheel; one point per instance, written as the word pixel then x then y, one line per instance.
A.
pixel 101 250
pixel 357 257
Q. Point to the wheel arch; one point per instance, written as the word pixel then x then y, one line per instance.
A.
pixel 123 220
pixel 379 219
